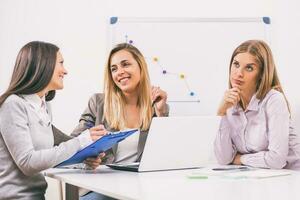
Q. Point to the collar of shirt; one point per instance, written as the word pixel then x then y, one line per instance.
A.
pixel 253 105
pixel 35 101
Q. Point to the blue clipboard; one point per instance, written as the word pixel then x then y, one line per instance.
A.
pixel 93 150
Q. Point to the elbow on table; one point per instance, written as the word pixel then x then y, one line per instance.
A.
pixel 277 162
pixel 224 159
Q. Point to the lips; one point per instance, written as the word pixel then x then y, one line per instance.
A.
pixel 124 79
pixel 238 82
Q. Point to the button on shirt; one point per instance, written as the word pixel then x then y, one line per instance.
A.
pixel 263 134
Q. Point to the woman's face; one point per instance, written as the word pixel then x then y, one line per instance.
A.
pixel 125 71
pixel 244 72
pixel 57 80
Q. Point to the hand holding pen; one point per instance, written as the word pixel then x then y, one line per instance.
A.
pixel 96 132
pixel 159 100
pixel 93 163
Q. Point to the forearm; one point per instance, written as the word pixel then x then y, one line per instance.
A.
pixel 33 161
pixel 223 146
pixel 164 112
pixel 264 159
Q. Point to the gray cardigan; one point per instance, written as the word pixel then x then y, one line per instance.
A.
pixel 26 149
pixel 94 113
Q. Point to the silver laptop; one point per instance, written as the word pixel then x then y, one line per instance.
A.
pixel 177 143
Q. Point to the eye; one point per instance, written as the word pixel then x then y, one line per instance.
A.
pixel 236 64
pixel 113 69
pixel 126 64
pixel 249 68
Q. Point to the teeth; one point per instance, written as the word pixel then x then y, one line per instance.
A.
pixel 123 79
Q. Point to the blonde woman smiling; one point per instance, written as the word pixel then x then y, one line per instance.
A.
pixel 128 101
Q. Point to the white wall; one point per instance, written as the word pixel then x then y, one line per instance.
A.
pixel 79 28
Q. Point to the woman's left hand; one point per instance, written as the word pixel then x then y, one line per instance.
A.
pixel 93 163
pixel 159 100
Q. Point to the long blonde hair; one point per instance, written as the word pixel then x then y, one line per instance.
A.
pixel 114 100
pixel 268 77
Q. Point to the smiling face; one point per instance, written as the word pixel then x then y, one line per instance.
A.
pixel 244 73
pixel 125 71
pixel 57 82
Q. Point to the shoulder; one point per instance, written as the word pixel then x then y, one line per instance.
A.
pixel 275 101
pixel 274 96
pixel 13 101
pixel 96 99
pixel 14 105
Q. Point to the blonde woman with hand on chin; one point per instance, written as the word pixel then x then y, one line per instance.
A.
pixel 255 129
pixel 27 134
pixel 128 101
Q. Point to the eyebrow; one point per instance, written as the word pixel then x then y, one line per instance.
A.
pixel 252 64
pixel 122 61
pixel 234 60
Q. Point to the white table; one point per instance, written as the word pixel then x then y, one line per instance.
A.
pixel 174 185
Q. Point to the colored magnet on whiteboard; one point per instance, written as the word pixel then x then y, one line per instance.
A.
pixel 130 41
pixel 164 71
pixel 192 93
pixel 113 20
pixel 181 76
pixel 155 59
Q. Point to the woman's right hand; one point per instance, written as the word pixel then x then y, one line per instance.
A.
pixel 97 132
pixel 231 98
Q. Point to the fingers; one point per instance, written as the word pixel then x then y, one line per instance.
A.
pixel 159 99
pixel 231 98
pixel 97 132
pixel 158 95
pixel 94 162
pixel 98 127
pixel 232 95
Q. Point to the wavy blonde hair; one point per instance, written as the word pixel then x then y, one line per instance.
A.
pixel 268 77
pixel 114 100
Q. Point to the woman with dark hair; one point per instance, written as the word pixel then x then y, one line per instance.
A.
pixel 256 129
pixel 27 134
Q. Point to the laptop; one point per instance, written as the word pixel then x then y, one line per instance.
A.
pixel 177 143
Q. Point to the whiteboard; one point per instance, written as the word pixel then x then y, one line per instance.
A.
pixel 188 57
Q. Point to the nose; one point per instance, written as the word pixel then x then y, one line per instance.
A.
pixel 65 71
pixel 120 71
pixel 239 72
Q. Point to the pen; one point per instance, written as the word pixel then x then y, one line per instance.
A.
pixel 89 124
pixel 230 168
pixel 154 101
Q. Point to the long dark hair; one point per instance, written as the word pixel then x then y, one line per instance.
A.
pixel 33 70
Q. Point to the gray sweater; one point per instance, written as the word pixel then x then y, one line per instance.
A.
pixel 27 148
